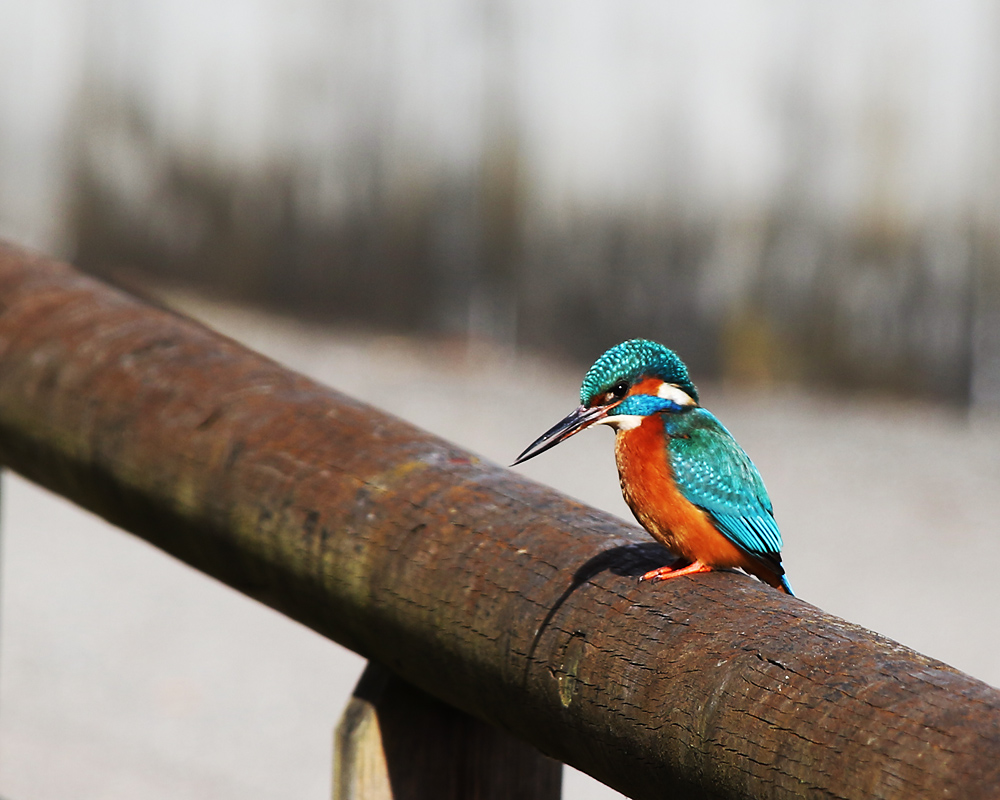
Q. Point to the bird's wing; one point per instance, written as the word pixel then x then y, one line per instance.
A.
pixel 714 473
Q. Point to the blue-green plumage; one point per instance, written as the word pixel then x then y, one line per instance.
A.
pixel 632 360
pixel 714 473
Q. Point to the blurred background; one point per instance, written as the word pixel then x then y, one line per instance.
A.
pixel 449 208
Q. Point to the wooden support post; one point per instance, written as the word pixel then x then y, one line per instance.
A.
pixel 395 742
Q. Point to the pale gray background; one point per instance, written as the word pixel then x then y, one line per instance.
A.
pixel 478 197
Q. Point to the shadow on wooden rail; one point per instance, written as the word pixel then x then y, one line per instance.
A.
pixel 496 595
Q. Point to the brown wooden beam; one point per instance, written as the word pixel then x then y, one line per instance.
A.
pixel 486 590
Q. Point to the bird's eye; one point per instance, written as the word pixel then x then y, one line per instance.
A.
pixel 619 390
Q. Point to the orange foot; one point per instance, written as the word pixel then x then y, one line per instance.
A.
pixel 664 573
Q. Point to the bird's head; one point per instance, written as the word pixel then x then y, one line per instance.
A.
pixel 629 382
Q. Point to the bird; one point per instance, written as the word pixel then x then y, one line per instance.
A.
pixel 683 475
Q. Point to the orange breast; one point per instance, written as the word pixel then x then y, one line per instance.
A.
pixel 650 491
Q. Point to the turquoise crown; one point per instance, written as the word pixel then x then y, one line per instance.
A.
pixel 632 360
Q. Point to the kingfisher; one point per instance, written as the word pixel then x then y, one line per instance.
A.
pixel 688 482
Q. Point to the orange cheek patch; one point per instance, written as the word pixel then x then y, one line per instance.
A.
pixel 646 386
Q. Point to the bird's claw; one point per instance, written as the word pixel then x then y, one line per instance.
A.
pixel 670 571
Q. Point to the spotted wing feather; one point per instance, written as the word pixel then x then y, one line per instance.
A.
pixel 714 473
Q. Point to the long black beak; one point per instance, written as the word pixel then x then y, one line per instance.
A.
pixel 575 422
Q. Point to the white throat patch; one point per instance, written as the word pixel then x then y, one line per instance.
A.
pixel 621 422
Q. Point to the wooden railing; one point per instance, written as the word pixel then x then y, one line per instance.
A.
pixel 515 607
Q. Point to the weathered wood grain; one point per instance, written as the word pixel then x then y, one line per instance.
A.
pixel 490 592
